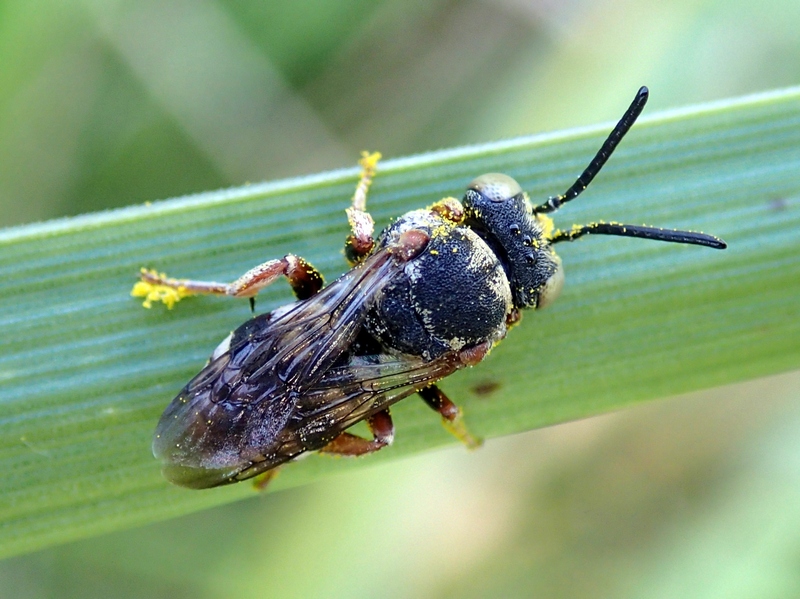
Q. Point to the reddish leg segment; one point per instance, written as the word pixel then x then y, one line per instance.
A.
pixel 348 444
pixel 452 418
pixel 449 209
pixel 360 242
pixel 304 279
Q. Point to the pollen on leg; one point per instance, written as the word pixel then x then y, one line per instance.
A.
pixel 360 243
pixel 156 292
pixel 369 161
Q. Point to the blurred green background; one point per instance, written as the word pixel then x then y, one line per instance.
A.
pixel 105 103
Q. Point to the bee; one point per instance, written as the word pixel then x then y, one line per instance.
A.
pixel 432 294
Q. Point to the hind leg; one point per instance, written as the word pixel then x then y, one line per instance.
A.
pixel 348 444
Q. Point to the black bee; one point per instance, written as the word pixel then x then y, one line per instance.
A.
pixel 436 290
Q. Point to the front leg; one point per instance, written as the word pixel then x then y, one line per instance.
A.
pixel 452 418
pixel 304 279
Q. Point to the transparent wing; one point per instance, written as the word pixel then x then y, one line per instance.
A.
pixel 233 412
pixel 348 394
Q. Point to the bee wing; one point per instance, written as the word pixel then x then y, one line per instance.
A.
pixel 232 413
pixel 348 394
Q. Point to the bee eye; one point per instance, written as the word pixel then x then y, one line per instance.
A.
pixel 496 187
pixel 551 289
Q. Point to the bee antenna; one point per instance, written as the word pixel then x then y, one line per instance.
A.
pixel 643 232
pixel 608 147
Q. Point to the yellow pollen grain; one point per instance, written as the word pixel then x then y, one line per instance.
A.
pixel 169 296
pixel 547 224
pixel 369 160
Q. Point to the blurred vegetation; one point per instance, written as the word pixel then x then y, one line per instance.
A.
pixel 108 103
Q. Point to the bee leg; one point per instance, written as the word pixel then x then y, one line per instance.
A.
pixel 261 482
pixel 348 444
pixel 304 279
pixel 452 417
pixel 359 243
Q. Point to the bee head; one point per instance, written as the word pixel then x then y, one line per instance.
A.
pixel 498 210
pixel 522 236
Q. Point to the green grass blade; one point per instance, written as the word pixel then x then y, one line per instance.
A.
pixel 85 371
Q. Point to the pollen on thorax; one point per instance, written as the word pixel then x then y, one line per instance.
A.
pixel 152 292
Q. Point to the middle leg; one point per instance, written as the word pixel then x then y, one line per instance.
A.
pixel 348 444
pixel 359 243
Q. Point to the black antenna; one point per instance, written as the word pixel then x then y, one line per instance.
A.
pixel 643 232
pixel 608 147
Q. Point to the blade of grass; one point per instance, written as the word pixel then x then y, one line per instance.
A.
pixel 85 371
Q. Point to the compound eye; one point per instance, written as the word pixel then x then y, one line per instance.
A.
pixel 496 187
pixel 552 287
